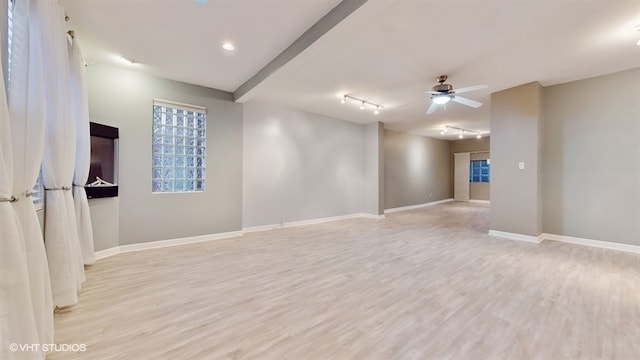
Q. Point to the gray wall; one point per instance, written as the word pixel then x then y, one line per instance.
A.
pixel 299 166
pixel 106 223
pixel 479 149
pixel 516 194
pixel 124 99
pixel 592 158
pixel 416 169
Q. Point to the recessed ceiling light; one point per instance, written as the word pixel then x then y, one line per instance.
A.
pixel 228 46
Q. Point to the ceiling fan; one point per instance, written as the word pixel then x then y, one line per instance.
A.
pixel 443 93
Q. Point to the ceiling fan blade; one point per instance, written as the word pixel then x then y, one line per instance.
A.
pixel 465 101
pixel 470 88
pixel 432 108
pixel 431 92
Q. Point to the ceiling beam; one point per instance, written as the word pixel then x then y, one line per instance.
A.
pixel 315 32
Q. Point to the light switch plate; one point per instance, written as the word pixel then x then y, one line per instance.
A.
pixel 521 165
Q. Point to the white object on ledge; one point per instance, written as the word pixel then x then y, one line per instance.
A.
pixel 100 182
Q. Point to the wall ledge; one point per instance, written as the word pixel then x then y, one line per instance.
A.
pixel 418 206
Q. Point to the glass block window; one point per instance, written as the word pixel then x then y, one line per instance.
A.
pixel 479 171
pixel 178 147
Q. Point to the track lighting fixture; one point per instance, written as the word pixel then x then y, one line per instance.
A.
pixel 461 132
pixel 363 103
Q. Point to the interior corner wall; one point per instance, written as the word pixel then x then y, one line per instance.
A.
pixel 124 99
pixel 480 150
pixel 299 166
pixel 374 168
pixel 417 169
pixel 591 158
pixel 516 121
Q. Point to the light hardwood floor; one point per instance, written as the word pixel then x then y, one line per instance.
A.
pixel 421 284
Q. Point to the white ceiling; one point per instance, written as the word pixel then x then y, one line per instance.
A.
pixel 387 51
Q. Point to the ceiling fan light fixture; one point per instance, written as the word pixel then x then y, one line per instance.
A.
pixel 362 106
pixel 441 99
pixel 377 110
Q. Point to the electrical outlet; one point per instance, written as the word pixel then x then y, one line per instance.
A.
pixel 521 165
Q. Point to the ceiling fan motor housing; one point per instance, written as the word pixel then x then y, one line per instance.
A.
pixel 443 88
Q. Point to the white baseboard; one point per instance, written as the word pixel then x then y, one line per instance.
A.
pixel 285 225
pixel 164 243
pixel 418 206
pixel 513 236
pixel 480 201
pixel 372 216
pixel 107 253
pixel 592 243
pixel 568 240
pixel 517 237
pixel 196 239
